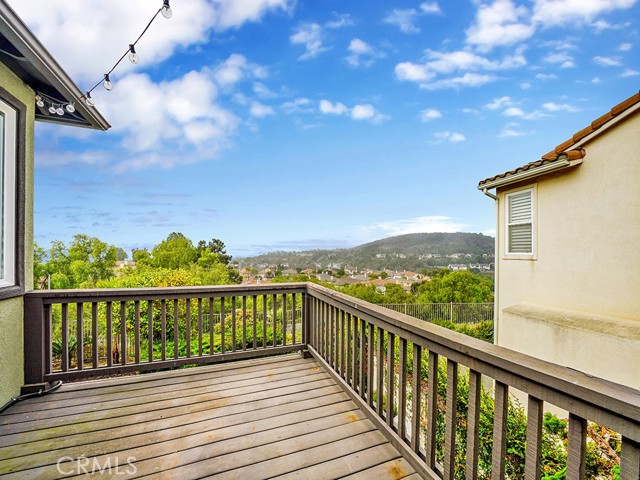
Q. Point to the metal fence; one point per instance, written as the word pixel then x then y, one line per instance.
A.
pixel 452 312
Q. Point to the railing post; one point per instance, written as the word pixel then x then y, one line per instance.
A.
pixel 306 323
pixel 34 344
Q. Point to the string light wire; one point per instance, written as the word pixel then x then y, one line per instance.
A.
pixel 56 107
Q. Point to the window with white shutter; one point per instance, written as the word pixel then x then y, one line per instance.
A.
pixel 520 222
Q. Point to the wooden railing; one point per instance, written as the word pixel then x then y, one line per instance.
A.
pixel 88 333
pixel 367 349
pixel 373 353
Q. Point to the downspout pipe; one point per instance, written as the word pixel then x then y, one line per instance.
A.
pixel 496 268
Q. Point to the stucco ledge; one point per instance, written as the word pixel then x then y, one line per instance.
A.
pixel 623 328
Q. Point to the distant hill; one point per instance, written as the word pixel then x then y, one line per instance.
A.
pixel 412 252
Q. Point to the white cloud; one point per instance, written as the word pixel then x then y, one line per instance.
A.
pixel 546 76
pixel 299 105
pixel 624 47
pixel 448 63
pixel 260 110
pixel 429 114
pixel 235 69
pixel 513 112
pixel 564 12
pixel 510 131
pixel 425 224
pixel 453 137
pixel 629 72
pixel 498 103
pixel 361 54
pixel 341 21
pixel 596 80
pixel 363 112
pixel 104 35
pixel 310 35
pixel 500 24
pixel 329 108
pixel 403 19
pixel 525 85
pixel 607 61
pixel 564 59
pixel 555 107
pixel 430 7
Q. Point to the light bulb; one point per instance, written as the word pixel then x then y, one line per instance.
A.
pixel 166 9
pixel 52 109
pixel 39 101
pixel 60 110
pixel 133 56
pixel 90 101
pixel 107 82
pixel 70 107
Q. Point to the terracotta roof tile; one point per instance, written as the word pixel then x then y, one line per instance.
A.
pixel 564 147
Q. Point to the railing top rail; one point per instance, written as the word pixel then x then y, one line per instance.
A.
pixel 122 294
pixel 604 395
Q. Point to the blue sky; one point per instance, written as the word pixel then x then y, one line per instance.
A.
pixel 282 124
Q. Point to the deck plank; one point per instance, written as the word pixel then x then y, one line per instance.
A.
pixel 273 417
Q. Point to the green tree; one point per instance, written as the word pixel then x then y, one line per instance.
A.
pixel 175 252
pixel 457 287
pixel 121 255
pixel 215 247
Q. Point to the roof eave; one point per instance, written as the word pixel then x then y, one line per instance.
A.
pixel 551 167
pixel 30 47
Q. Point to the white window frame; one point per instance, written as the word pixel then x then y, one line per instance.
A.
pixel 508 224
pixel 8 163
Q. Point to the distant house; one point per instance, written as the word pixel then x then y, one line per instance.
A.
pixel 567 250
pixel 455 267
pixel 31 81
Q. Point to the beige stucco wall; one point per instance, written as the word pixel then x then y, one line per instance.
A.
pixel 11 310
pixel 577 302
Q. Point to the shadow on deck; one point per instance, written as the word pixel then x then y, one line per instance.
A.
pixel 279 417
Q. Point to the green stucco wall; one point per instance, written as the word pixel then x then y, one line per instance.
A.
pixel 11 310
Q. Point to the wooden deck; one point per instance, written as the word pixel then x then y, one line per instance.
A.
pixel 278 417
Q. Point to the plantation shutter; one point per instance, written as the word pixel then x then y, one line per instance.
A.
pixel 520 219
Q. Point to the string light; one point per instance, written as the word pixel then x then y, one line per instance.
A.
pixel 56 108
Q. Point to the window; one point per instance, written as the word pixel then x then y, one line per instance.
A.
pixel 520 222
pixel 8 116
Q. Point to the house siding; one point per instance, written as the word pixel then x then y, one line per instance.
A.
pixel 12 310
pixel 571 301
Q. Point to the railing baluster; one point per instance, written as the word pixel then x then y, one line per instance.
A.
pixel 354 351
pixel 187 321
pixel 223 341
pixel 64 362
pixel 473 427
pixel 163 328
pixel 109 333
pixel 534 438
pixel 342 346
pixel 94 335
pixel 200 332
pixel 212 325
pixel 293 308
pixel 264 321
pixel 416 394
pixel 370 364
pixel 432 409
pixel 451 420
pixel 79 337
pixel 176 330
pixel 244 322
pixel 402 387
pixel 284 319
pixel 150 329
pixel 380 372
pixel 391 354
pixel 499 451
pixel 576 450
pixel 332 336
pixel 275 319
pixel 255 320
pixel 361 356
pixel 233 323
pixel 629 460
pixel 123 333
pixel 136 327
pixel 348 360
